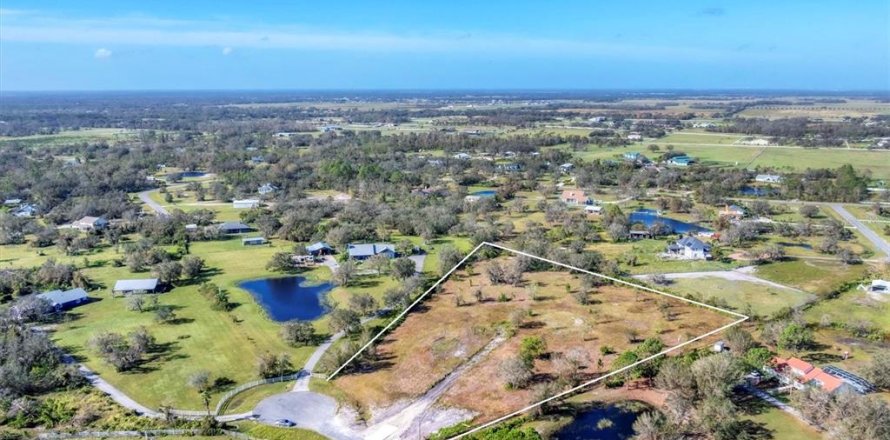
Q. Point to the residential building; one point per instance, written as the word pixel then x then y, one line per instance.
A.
pixel 566 167
pixel 147 285
pixel 859 384
pixel 253 241
pixel 732 211
pixel 799 373
pixel 65 299
pixel 511 167
pixel 12 202
pixel 681 161
pixel 245 204
pixel 233 228
pixel 25 210
pixel 462 156
pixel 363 251
pixel 593 209
pixel 89 223
pixel 689 248
pixel 319 248
pixel 266 188
pixel 634 137
pixel 877 286
pixel 768 178
pixel 574 197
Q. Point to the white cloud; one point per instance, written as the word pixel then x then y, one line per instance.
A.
pixel 227 50
pixel 102 54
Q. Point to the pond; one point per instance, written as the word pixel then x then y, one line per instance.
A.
pixel 756 192
pixel 193 174
pixel 649 217
pixel 289 298
pixel 603 422
pixel 484 193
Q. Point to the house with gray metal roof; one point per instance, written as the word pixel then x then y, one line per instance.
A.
pixel 147 285
pixel 319 248
pixel 362 251
pixel 233 228
pixel 65 299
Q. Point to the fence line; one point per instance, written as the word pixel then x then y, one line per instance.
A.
pixel 224 400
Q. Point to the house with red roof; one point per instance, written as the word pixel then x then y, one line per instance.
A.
pixel 799 373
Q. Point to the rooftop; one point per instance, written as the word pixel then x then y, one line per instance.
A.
pixel 58 297
pixel 132 285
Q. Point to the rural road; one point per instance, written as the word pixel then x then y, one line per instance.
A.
pixel 409 419
pixel 158 209
pixel 870 234
pixel 116 394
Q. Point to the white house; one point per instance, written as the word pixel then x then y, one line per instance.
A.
pixel 266 188
pixel 689 248
pixel 877 286
pixel 245 203
pixel 89 223
pixel 634 137
pixel 462 156
pixel 593 209
pixel 566 167
pixel 768 178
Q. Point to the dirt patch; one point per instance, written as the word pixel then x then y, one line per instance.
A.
pixel 453 325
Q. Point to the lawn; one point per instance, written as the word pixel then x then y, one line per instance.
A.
pixel 792 159
pixel 763 299
pixel 226 344
pixel 813 276
pixel 443 335
pixel 779 424
pixel 68 137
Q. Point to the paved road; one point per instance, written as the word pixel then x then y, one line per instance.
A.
pixel 870 234
pixel 158 209
pixel 308 410
pixel 115 394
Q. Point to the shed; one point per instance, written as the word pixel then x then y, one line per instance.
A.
pixel 253 241
pixel 245 203
pixel 147 285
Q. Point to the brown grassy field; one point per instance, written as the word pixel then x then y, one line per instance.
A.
pixel 438 338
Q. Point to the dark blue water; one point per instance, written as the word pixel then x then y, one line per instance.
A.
pixel 485 193
pixel 755 192
pixel 587 426
pixel 649 217
pixel 193 174
pixel 288 298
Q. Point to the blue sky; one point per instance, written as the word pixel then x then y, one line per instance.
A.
pixel 129 45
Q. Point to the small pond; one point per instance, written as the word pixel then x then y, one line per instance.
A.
pixel 193 174
pixel 751 191
pixel 484 193
pixel 289 298
pixel 649 217
pixel 612 422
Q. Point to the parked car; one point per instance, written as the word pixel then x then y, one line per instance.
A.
pixel 284 423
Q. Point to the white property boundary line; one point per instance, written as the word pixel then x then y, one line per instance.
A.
pixel 741 319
